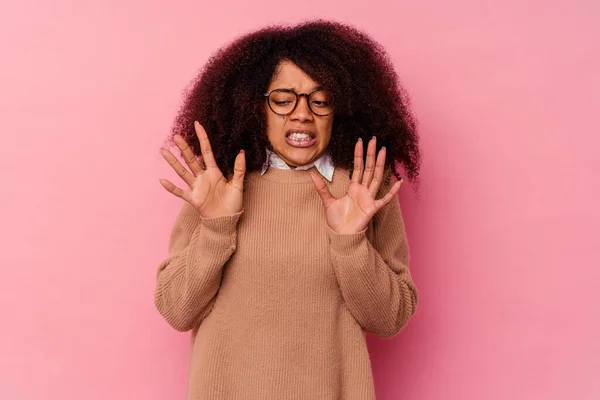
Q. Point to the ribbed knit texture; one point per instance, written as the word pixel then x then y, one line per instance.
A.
pixel 277 302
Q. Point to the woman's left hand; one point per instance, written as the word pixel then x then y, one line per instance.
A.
pixel 352 212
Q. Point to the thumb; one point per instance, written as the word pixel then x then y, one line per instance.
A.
pixel 239 171
pixel 322 188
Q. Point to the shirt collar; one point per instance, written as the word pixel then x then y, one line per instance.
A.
pixel 323 164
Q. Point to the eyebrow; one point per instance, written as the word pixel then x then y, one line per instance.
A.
pixel 293 89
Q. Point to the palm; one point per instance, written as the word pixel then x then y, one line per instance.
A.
pixel 209 192
pixel 355 209
pixel 352 212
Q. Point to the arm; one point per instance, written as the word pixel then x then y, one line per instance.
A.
pixel 189 278
pixel 373 275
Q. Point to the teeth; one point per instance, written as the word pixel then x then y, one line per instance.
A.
pixel 299 136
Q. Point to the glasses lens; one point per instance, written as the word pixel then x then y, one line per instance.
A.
pixel 320 103
pixel 282 101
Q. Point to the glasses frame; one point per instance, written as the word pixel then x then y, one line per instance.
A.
pixel 298 95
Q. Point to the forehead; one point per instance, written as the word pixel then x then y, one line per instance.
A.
pixel 288 75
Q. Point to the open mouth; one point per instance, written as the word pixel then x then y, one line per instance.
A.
pixel 300 138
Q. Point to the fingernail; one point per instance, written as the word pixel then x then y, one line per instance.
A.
pixel 383 148
pixel 373 138
pixel 242 151
pixel 360 139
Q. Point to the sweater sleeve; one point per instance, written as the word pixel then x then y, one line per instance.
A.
pixel 189 278
pixel 373 275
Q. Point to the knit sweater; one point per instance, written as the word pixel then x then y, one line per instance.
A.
pixel 277 302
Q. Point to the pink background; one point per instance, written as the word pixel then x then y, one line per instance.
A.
pixel 504 238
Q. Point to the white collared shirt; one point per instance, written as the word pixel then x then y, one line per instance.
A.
pixel 323 164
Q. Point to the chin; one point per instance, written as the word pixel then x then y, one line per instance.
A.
pixel 298 159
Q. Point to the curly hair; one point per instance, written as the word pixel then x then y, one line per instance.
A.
pixel 227 95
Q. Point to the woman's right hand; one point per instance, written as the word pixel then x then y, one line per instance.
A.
pixel 208 192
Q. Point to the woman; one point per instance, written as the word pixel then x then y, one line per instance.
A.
pixel 290 244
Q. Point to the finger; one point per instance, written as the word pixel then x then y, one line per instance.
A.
pixel 358 162
pixel 370 164
pixel 174 189
pixel 379 168
pixel 322 189
pixel 188 155
pixel 239 170
pixel 176 165
pixel 389 196
pixel 207 154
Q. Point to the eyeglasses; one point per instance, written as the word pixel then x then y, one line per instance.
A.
pixel 284 101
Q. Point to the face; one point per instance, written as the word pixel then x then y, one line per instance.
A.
pixel 312 132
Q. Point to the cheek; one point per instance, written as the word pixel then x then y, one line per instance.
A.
pixel 270 124
pixel 326 129
pixel 274 124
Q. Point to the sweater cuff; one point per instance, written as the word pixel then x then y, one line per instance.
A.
pixel 344 242
pixel 222 225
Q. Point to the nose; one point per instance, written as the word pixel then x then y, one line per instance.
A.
pixel 302 111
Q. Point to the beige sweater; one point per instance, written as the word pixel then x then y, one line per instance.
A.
pixel 277 302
